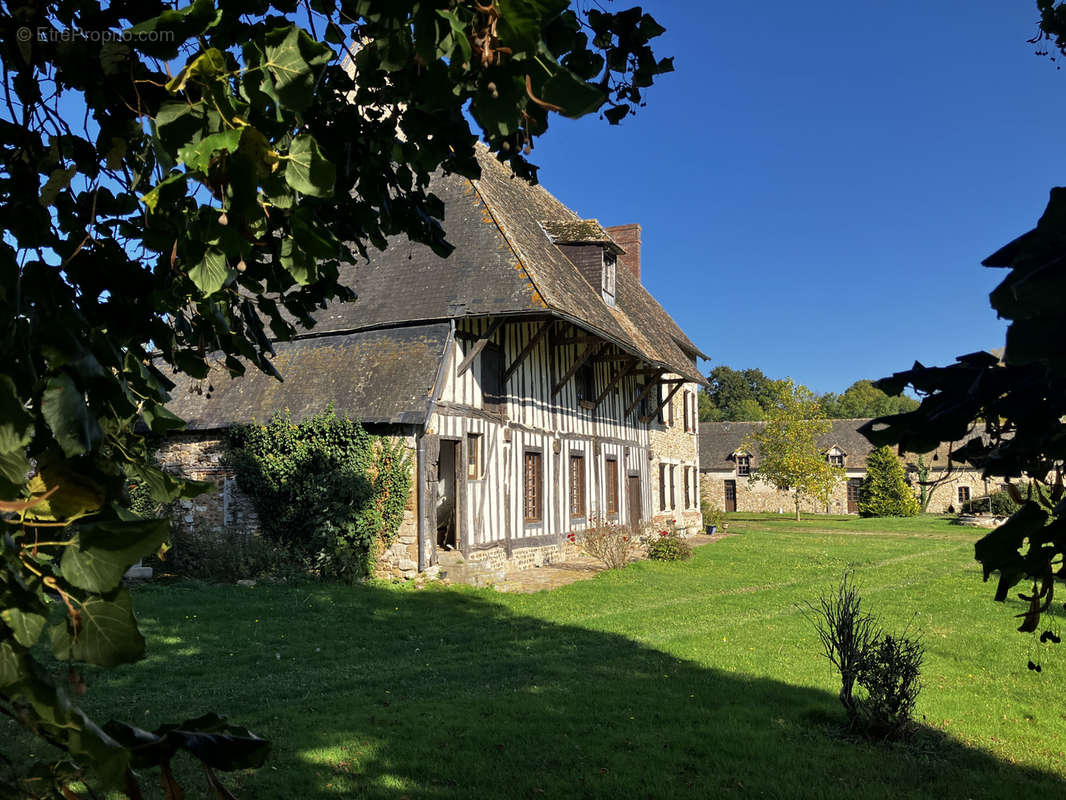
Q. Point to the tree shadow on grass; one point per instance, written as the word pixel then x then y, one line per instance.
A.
pixel 443 693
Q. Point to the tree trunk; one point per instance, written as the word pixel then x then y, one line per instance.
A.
pixel 797 508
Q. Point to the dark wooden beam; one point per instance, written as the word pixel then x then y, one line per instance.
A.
pixel 612 357
pixel 678 383
pixel 644 392
pixel 479 345
pixel 649 371
pixel 579 339
pixel 620 374
pixel 586 354
pixel 542 331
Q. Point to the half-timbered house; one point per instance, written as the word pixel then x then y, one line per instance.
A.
pixel 540 386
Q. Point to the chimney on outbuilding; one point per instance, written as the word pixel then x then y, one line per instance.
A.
pixel 628 238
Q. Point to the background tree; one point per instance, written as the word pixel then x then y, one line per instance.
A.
pixel 186 179
pixel 862 399
pixel 1020 399
pixel 789 457
pixel 736 395
pixel 928 481
pixel 885 491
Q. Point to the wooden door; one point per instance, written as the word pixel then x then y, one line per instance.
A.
pixel 430 473
pixel 854 485
pixel 730 495
pixel 634 497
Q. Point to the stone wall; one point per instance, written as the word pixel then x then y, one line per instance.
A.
pixel 199 456
pixel 226 507
pixel 495 558
pixel 753 496
pixel 672 444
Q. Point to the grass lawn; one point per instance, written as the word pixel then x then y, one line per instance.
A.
pixel 696 679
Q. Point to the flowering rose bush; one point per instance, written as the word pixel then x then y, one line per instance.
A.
pixel 610 543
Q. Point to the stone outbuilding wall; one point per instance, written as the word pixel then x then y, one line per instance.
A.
pixel 757 496
pixel 200 456
pixel 678 448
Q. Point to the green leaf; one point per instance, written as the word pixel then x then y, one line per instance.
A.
pixel 159 419
pixel 298 263
pixel 293 59
pixel 26 624
pixel 212 272
pixel 107 633
pixel 168 192
pixel 173 28
pixel 575 96
pixel 12 667
pixel 198 156
pixel 16 423
pixel 308 171
pixel 104 551
pixel 205 68
pixel 15 467
pixel 63 408
pixel 458 35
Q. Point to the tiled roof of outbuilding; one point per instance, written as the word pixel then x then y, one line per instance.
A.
pixel 383 376
pixel 719 440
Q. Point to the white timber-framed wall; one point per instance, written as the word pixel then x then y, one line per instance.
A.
pixel 493 494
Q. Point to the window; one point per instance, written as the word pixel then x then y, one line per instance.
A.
pixel 964 494
pixel 743 465
pixel 669 407
pixel 533 483
pixel 585 380
pixel 646 403
pixel 492 388
pixel 607 281
pixel 473 456
pixel 577 484
pixel 836 459
pixel 688 487
pixel 611 467
pixel 673 486
pixel 690 413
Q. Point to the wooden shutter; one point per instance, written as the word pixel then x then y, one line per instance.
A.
pixel 611 467
pixel 533 486
pixel 577 485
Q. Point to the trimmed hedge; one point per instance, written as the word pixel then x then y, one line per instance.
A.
pixel 885 491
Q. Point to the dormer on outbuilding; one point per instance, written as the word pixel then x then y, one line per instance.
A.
pixel 592 251
pixel 836 456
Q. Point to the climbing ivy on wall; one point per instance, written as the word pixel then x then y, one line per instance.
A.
pixel 324 487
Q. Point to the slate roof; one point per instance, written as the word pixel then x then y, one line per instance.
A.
pixel 504 263
pixel 719 440
pixel 584 231
pixel 382 376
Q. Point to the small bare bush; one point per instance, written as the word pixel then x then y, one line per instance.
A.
pixel 884 668
pixel 610 543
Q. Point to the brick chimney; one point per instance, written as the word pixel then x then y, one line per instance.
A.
pixel 628 238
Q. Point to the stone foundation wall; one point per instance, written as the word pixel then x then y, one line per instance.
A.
pixel 495 558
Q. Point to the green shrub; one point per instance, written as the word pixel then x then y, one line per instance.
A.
pixel 885 491
pixel 668 546
pixel 227 556
pixel 324 488
pixel 609 543
pixel 712 515
pixel 1001 504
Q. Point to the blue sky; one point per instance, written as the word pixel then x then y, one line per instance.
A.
pixel 818 182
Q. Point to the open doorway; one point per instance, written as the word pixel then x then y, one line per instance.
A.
pixel 448 496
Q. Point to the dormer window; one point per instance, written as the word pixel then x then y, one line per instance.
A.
pixel 607 283
pixel 743 465
pixel 836 457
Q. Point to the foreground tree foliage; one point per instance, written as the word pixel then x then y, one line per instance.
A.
pixel 789 457
pixel 179 184
pixel 1019 402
